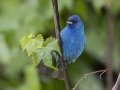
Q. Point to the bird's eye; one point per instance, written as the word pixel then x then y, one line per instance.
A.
pixel 75 21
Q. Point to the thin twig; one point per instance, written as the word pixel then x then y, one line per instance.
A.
pixel 102 74
pixel 117 84
pixel 57 30
pixel 103 71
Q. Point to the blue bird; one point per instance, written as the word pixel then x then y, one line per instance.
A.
pixel 73 41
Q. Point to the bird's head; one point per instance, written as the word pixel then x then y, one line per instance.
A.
pixel 75 22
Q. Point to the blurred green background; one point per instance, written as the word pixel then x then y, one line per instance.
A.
pixel 20 18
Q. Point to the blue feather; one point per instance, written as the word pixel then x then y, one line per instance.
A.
pixel 73 40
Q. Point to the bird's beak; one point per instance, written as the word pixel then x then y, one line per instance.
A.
pixel 69 22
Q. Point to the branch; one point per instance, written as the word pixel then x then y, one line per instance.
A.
pixel 117 84
pixel 109 44
pixel 57 30
pixel 103 71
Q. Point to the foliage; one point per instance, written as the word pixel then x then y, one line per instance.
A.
pixel 40 49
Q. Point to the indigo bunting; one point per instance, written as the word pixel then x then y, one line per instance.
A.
pixel 73 41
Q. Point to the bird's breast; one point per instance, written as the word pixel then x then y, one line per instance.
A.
pixel 72 45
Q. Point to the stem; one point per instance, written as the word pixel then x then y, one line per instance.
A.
pixel 117 84
pixel 57 30
pixel 103 71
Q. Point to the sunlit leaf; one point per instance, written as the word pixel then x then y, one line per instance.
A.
pixel 30 43
pixel 44 53
pixel 51 43
pixel 40 49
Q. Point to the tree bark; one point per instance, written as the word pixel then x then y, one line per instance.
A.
pixel 109 49
pixel 57 30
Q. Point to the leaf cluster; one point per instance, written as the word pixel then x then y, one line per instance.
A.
pixel 40 49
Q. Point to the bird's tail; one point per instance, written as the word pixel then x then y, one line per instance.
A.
pixel 57 74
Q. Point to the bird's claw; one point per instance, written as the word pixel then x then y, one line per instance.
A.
pixel 65 67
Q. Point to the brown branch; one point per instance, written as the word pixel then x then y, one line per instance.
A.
pixel 117 84
pixel 109 44
pixel 103 71
pixel 57 30
pixel 109 48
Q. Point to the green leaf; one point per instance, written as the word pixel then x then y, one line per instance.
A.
pixel 30 43
pixel 51 43
pixel 44 53
pixel 40 49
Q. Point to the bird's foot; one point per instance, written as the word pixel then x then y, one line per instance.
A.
pixel 62 68
pixel 65 67
pixel 60 41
